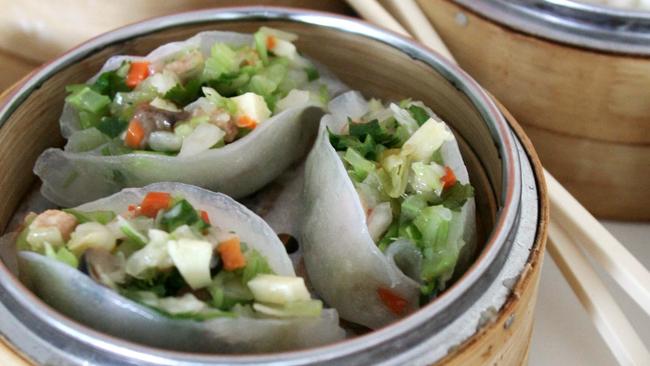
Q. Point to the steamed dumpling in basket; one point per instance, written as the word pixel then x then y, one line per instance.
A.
pixel 172 266
pixel 224 111
pixel 390 210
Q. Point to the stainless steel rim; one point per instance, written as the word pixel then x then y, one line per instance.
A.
pixel 571 22
pixel 381 344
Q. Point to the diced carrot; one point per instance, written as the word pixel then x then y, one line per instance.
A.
pixel 231 255
pixel 154 202
pixel 138 71
pixel 449 179
pixel 270 42
pixel 134 134
pixel 245 121
pixel 395 303
pixel 205 217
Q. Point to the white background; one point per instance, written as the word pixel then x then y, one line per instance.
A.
pixel 563 333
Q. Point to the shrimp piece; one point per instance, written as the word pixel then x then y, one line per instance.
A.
pixel 63 221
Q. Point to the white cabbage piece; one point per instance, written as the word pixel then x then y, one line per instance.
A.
pixel 344 264
pixel 238 169
pixel 79 297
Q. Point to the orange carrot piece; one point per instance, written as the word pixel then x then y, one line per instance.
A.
pixel 245 121
pixel 449 179
pixel 134 134
pixel 395 303
pixel 205 217
pixel 270 42
pixel 154 202
pixel 231 255
pixel 138 71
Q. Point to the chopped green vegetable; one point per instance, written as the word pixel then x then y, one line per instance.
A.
pixel 312 73
pixel 112 126
pixel 102 217
pixel 181 213
pixel 183 95
pixel 110 83
pixel 418 114
pixel 360 166
pixel 455 196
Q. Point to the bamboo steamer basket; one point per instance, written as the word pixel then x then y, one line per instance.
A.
pixel 511 198
pixel 43 31
pixel 580 90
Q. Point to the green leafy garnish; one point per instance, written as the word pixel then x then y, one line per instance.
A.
pixel 454 197
pixel 183 95
pixel 419 114
pixel 112 126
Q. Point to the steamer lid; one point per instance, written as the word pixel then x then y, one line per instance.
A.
pixel 575 23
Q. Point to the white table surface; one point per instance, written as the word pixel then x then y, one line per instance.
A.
pixel 563 333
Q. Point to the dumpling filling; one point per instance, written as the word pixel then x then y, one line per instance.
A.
pixel 189 103
pixel 171 257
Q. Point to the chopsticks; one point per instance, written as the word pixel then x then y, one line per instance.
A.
pixel 607 316
pixel 579 226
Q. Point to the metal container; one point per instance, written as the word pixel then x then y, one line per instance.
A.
pixel 492 301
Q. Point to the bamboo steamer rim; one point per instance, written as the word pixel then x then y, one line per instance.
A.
pixel 393 38
pixel 588 26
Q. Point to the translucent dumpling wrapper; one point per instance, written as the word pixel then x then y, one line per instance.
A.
pixel 83 172
pixel 366 284
pixel 76 295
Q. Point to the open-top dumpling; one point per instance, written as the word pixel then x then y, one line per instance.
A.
pixel 172 266
pixel 221 110
pixel 389 208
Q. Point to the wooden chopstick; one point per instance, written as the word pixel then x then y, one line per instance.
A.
pixel 617 261
pixel 373 10
pixel 607 316
pixel 601 245
pixel 409 13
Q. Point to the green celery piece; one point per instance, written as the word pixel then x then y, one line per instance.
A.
pixel 222 60
pixel 255 264
pixel 88 100
pixel 324 94
pixel 296 309
pixel 181 213
pixel 102 217
pixel 261 85
pixel 454 197
pixel 418 114
pixel 112 126
pixel 63 255
pixel 411 232
pixel 397 167
pixel 260 47
pixel 412 207
pixel 439 266
pixel 433 223
pixel 132 233
pixel 227 290
pixel 361 167
pixel 88 119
